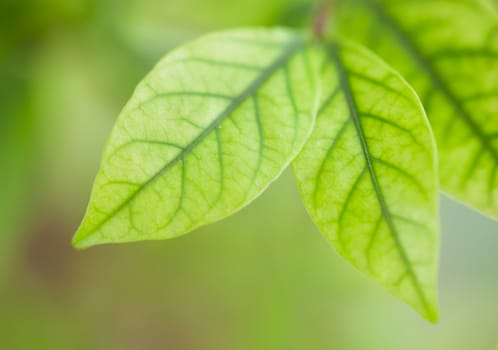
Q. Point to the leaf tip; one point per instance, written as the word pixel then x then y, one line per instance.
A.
pixel 77 243
pixel 429 311
pixel 82 240
pixel 432 316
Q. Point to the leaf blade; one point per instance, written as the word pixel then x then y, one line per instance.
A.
pixel 367 184
pixel 199 140
pixel 448 50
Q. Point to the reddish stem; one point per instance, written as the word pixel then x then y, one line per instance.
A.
pixel 321 20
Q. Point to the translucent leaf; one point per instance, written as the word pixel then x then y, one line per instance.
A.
pixel 448 51
pixel 204 134
pixel 368 176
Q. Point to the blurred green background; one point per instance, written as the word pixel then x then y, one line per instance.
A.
pixel 262 279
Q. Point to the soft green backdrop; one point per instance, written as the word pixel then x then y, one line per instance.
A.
pixel 263 279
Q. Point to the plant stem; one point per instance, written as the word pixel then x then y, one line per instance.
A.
pixel 321 19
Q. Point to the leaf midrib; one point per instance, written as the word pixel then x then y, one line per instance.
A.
pixel 413 50
pixel 333 52
pixel 290 50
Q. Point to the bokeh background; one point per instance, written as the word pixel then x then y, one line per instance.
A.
pixel 263 279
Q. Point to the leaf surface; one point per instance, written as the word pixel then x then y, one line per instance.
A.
pixel 448 51
pixel 213 124
pixel 368 177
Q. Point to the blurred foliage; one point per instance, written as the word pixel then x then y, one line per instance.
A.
pixel 264 279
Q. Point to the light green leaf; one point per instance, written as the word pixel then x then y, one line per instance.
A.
pixel 448 51
pixel 368 176
pixel 213 124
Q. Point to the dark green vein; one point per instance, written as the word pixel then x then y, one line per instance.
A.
pixel 480 96
pixel 293 102
pixel 328 101
pixel 491 183
pixel 346 202
pixel 121 182
pixel 159 95
pixel 403 173
pixel 410 221
pixel 472 167
pixel 371 242
pixel 307 67
pixel 213 62
pixel 143 141
pixel 378 83
pixel 219 150
pixel 334 143
pixel 182 191
pixel 393 125
pixel 249 41
pixel 257 114
pixel 287 53
pixel 333 50
pixel 464 53
pixel 342 129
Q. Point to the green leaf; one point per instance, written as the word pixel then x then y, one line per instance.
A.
pixel 368 176
pixel 213 124
pixel 448 51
